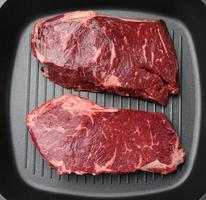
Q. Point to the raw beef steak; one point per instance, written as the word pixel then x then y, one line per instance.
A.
pixel 87 51
pixel 78 136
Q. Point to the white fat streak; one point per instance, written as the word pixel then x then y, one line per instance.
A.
pixel 144 49
pixel 61 167
pixel 137 130
pixel 134 20
pixel 60 129
pixel 80 106
pixel 103 29
pixel 94 153
pixel 79 128
pixel 104 168
pixel 152 58
pixel 178 154
pixel 37 26
pixel 78 16
pixel 158 60
pixel 125 40
pixel 177 158
pixel 66 38
pixel 40 57
pixel 154 164
pixel 103 73
pixel 138 30
pixel 85 108
pixel 152 141
pixel 112 80
pixel 126 147
pixel 97 53
pixel 163 44
pixel 139 163
pixel 57 163
pixel 82 14
pixel 113 54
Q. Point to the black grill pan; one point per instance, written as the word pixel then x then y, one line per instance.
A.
pixel 25 175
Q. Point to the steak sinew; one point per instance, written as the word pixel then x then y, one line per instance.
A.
pixel 87 51
pixel 78 136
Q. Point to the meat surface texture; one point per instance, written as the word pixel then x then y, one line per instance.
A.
pixel 87 51
pixel 78 136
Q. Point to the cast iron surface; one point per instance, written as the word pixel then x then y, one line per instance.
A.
pixel 24 173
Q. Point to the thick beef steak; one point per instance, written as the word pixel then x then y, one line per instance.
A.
pixel 87 51
pixel 78 136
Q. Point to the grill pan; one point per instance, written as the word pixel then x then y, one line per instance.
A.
pixel 24 174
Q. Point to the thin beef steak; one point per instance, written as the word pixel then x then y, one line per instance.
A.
pixel 87 51
pixel 78 136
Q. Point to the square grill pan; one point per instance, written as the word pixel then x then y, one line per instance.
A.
pixel 34 89
pixel 28 89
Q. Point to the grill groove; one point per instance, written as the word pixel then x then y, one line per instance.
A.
pixel 102 178
pixel 180 79
pixel 36 104
pixel 45 99
pixel 27 104
pixel 171 98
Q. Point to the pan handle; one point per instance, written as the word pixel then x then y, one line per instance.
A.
pixel 203 197
pixel 204 1
pixel 2 2
pixel 2 198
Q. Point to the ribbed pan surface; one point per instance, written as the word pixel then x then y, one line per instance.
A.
pixel 30 89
